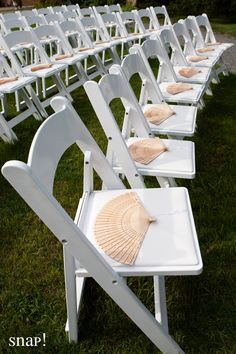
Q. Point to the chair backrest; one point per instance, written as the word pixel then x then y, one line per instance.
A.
pixel 146 18
pixel 101 94
pixel 75 7
pixel 34 182
pixel 161 15
pixel 53 17
pixel 130 23
pixel 86 12
pixel 205 28
pixel 136 63
pixel 152 48
pixel 195 33
pixel 35 21
pixel 107 20
pixel 169 41
pixel 10 16
pixel 26 13
pixel 100 10
pixel 183 36
pixel 43 11
pixel 57 9
pixel 13 25
pixel 69 14
pixel 114 8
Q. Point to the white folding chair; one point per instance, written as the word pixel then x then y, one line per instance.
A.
pixel 170 246
pixel 160 16
pixel 199 45
pixel 75 8
pixel 114 8
pixel 177 162
pixel 9 16
pixel 131 26
pixel 208 34
pixel 26 13
pixel 100 10
pixel 148 23
pixel 170 43
pixel 57 9
pixel 152 48
pixel 50 69
pixel 86 12
pixel 43 11
pixel 183 122
pixel 98 39
pixel 81 42
pixel 63 53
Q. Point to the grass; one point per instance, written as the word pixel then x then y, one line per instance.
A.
pixel 226 28
pixel 200 308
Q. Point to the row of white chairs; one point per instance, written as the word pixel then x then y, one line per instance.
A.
pixel 171 244
pixel 72 40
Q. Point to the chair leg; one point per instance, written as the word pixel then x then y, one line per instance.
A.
pixel 6 133
pixel 160 302
pixel 71 302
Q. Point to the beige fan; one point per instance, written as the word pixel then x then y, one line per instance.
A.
pixel 41 67
pixel 179 87
pixel 101 41
pixel 5 80
pixel 120 227
pixel 189 72
pixel 211 44
pixel 158 113
pixel 197 58
pixel 204 50
pixel 83 49
pixel 146 150
pixel 63 56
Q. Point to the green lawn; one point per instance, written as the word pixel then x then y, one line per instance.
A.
pixel 200 308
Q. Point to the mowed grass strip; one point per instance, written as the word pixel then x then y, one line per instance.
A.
pixel 200 307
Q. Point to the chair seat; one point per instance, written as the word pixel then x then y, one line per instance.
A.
pixel 189 97
pixel 170 246
pixel 199 78
pixel 182 123
pixel 210 62
pixel 177 162
pixel 56 68
pixel 13 86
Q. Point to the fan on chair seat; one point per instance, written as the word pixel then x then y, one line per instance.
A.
pixel 120 227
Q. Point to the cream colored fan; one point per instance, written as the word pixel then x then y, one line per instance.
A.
pixel 146 150
pixel 158 113
pixel 120 227
pixel 63 56
pixel 189 72
pixel 205 50
pixel 179 87
pixel 41 67
pixel 6 80
pixel 197 58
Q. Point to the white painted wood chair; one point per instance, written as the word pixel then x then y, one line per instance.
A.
pixel 208 34
pixel 51 70
pixel 177 162
pixel 198 43
pixel 43 11
pixel 152 48
pixel 177 59
pixel 81 42
pixel 183 37
pixel 98 39
pixel 114 8
pixel 63 53
pixel 183 122
pixel 132 27
pixel 21 86
pixel 149 25
pixel 170 246
pixel 75 8
pixel 160 16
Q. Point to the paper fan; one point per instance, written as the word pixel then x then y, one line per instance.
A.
pixel 179 87
pixel 146 150
pixel 41 67
pixel 63 56
pixel 158 113
pixel 5 80
pixel 205 50
pixel 120 227
pixel 197 58
pixel 189 72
